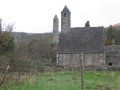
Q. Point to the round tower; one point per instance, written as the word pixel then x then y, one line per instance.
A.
pixel 56 29
pixel 65 20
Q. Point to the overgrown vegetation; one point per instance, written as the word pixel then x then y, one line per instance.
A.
pixel 26 55
pixel 34 55
pixel 6 40
pixel 6 44
pixel 112 36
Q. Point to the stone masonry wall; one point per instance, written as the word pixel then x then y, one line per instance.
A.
pixel 65 22
pixel 73 60
pixel 112 55
pixel 112 59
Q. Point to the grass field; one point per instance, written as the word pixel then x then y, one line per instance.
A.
pixel 99 80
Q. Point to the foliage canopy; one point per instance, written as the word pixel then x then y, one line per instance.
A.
pixel 6 40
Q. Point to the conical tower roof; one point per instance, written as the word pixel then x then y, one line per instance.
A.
pixel 65 9
pixel 56 17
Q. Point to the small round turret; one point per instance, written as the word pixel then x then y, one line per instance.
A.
pixel 56 29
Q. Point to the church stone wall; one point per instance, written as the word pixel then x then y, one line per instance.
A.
pixel 73 60
pixel 112 55
pixel 112 59
pixel 94 59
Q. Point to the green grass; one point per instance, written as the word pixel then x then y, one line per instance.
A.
pixel 99 80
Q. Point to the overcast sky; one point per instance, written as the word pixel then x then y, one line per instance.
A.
pixel 36 16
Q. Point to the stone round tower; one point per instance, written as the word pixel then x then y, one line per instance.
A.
pixel 65 20
pixel 56 29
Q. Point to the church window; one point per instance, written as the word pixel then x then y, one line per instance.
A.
pixel 64 14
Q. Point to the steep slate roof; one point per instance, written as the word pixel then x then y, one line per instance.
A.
pixel 87 40
pixel 65 9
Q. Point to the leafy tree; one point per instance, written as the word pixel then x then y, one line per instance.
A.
pixel 6 40
pixel 112 34
pixel 87 24
pixel 6 47
pixel 109 35
pixel 117 36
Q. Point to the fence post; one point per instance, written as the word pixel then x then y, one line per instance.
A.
pixel 82 71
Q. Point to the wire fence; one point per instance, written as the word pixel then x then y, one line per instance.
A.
pixel 52 77
pixel 20 79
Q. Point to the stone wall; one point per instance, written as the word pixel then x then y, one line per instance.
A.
pixel 113 59
pixel 94 59
pixel 112 55
pixel 73 60
pixel 70 60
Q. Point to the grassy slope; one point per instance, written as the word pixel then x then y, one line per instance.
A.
pixel 71 81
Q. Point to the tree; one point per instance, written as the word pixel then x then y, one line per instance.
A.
pixel 117 36
pixel 112 34
pixel 87 24
pixel 6 47
pixel 109 35
pixel 6 40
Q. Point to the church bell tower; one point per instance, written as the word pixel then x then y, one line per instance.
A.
pixel 65 20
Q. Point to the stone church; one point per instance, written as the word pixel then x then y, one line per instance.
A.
pixel 88 40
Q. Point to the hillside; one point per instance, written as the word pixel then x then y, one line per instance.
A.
pixel 117 26
pixel 21 36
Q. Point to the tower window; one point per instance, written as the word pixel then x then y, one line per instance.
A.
pixel 64 14
pixel 110 64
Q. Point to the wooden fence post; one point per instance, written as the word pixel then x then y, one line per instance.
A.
pixel 82 71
